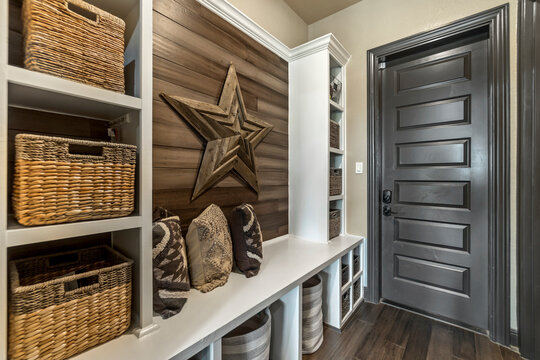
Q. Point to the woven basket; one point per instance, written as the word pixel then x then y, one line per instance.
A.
pixel 74 40
pixel 356 264
pixel 249 341
pixel 356 291
pixel 344 274
pixel 334 134
pixel 336 183
pixel 55 183
pixel 312 315
pixel 63 304
pixel 334 223
pixel 345 303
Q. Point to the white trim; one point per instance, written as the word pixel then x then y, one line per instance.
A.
pixel 232 15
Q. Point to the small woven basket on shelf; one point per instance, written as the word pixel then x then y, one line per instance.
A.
pixel 344 274
pixel 74 40
pixel 356 291
pixel 345 303
pixel 336 181
pixel 63 304
pixel 334 223
pixel 334 134
pixel 56 181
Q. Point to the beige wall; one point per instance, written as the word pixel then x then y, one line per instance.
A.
pixel 371 23
pixel 276 17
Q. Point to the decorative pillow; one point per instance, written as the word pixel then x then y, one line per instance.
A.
pixel 209 250
pixel 247 240
pixel 171 278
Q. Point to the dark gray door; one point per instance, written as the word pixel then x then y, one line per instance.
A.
pixel 435 162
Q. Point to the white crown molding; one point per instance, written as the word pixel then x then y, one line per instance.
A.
pixel 325 42
pixel 240 20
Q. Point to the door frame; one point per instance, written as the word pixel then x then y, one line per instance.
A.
pixel 499 148
pixel 528 229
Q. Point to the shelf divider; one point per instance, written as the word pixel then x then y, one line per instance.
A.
pixel 24 235
pixel 35 90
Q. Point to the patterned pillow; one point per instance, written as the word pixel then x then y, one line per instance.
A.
pixel 209 250
pixel 171 278
pixel 247 240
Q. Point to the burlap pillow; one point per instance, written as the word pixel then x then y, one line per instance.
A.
pixel 247 240
pixel 209 250
pixel 171 277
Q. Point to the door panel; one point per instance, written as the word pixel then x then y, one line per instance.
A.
pixel 435 160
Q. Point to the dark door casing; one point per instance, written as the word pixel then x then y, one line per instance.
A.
pixel 496 20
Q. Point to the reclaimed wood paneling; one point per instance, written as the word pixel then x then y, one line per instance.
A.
pixel 193 49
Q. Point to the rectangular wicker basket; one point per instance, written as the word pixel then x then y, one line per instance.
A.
pixel 334 223
pixel 63 304
pixel 56 181
pixel 336 182
pixel 334 134
pixel 74 40
pixel 345 303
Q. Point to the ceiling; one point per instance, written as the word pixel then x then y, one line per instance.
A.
pixel 313 10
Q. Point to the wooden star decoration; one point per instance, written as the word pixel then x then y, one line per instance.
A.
pixel 231 135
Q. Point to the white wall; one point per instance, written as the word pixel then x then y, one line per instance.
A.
pixel 276 17
pixel 371 23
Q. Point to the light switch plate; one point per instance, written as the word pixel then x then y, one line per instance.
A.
pixel 359 167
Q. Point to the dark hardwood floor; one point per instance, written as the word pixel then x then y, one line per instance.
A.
pixel 384 332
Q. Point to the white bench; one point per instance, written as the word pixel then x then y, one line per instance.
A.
pixel 206 318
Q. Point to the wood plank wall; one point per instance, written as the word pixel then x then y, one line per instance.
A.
pixel 193 48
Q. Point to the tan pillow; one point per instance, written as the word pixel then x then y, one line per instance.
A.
pixel 209 245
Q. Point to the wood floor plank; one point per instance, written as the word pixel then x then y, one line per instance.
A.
pixel 401 330
pixel 376 332
pixel 417 346
pixel 373 343
pixel 441 342
pixel 464 344
pixel 508 354
pixel 485 349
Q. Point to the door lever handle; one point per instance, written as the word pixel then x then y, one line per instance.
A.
pixel 387 211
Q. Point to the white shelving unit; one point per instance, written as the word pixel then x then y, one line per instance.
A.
pixel 22 88
pixel 310 155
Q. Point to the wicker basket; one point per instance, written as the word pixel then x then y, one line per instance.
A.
pixel 356 291
pixel 55 182
pixel 334 223
pixel 345 303
pixel 251 340
pixel 356 264
pixel 63 304
pixel 334 134
pixel 344 274
pixel 74 40
pixel 312 315
pixel 336 183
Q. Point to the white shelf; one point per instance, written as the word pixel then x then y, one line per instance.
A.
pixel 336 151
pixel 346 287
pixel 205 318
pixel 335 197
pixel 335 106
pixel 358 275
pixel 34 90
pixel 17 234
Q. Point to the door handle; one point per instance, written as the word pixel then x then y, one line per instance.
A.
pixel 387 196
pixel 387 210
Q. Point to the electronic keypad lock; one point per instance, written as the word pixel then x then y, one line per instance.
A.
pixel 387 196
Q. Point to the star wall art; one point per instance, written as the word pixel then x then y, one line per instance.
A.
pixel 231 135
